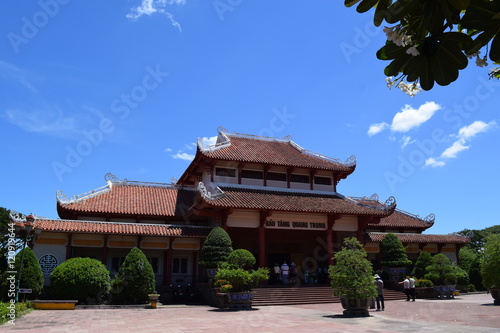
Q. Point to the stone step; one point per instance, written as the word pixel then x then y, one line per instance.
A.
pixel 306 295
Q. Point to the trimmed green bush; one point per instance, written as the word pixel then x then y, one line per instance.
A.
pixel 423 283
pixel 441 271
pixel 31 274
pixel 240 279
pixel 135 279
pixel 7 313
pixel 393 252
pixel 424 259
pixel 216 248
pixel 84 279
pixel 352 274
pixel 241 258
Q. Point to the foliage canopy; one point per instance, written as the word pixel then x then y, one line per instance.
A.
pixel 216 248
pixel 393 252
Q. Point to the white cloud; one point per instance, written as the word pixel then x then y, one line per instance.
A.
pixel 454 149
pixel 406 140
pixel 468 132
pixel 150 7
pixel 16 74
pixel 464 136
pixel 410 118
pixel 168 150
pixel 183 156
pixel 432 162
pixel 209 141
pixel 377 128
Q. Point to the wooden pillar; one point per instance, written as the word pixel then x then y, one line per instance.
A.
pixel 262 238
pixel 329 236
pixel 104 251
pixel 167 264
pixel 69 247
pixel 194 266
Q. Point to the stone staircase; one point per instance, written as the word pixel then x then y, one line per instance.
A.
pixel 306 295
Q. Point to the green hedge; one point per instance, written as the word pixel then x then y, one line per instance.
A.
pixel 84 279
pixel 6 310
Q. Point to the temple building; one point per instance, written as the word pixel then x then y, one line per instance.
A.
pixel 274 198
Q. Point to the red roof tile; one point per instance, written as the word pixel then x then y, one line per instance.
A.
pixel 241 198
pixel 152 201
pixel 400 219
pixel 274 152
pixel 121 228
pixel 418 238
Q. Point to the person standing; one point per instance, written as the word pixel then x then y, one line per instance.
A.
pixel 406 286
pixel 412 288
pixel 380 293
pixel 284 272
pixel 277 273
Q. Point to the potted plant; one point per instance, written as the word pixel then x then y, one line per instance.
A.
pixel 215 250
pixel 394 258
pixel 236 280
pixel 352 278
pixel 443 275
pixel 490 263
pixel 153 299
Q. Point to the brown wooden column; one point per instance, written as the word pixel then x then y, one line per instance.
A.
pixel 69 248
pixel 104 251
pixel 262 238
pixel 167 264
pixel 194 266
pixel 329 236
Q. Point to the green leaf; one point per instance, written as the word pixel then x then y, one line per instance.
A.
pixel 495 49
pixel 459 4
pixel 461 40
pixel 381 12
pixel 480 41
pixel 400 9
pixel 397 65
pixel 349 3
pixel 366 5
pixel 390 51
pixel 426 79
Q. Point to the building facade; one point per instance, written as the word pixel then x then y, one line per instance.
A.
pixel 274 198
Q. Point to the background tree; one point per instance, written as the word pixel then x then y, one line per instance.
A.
pixel 4 235
pixel 31 274
pixel 430 41
pixel 490 262
pixel 84 279
pixel 216 248
pixel 393 252
pixel 135 279
pixel 424 260
pixel 469 261
pixel 441 271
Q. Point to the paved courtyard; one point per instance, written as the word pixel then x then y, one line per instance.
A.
pixel 467 313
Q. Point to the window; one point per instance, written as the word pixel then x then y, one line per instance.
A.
pixel 179 265
pixel 253 174
pixel 116 262
pixel 225 172
pixel 299 178
pixel 322 180
pixel 276 176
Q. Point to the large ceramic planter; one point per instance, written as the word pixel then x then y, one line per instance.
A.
pixel 425 293
pixel 355 307
pixel 236 300
pixel 445 291
pixel 495 293
pixel 153 300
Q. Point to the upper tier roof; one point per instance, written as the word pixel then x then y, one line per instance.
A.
pixel 378 237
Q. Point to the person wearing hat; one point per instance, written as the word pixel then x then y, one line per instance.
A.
pixel 380 293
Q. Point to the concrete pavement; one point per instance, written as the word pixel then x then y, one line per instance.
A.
pixel 465 313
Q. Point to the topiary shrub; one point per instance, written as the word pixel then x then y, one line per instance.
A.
pixel 424 259
pixel 239 279
pixel 31 274
pixel 241 258
pixel 423 283
pixel 393 252
pixel 441 271
pixel 352 275
pixel 84 279
pixel 135 279
pixel 216 248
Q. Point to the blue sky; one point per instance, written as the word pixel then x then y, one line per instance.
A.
pixel 127 87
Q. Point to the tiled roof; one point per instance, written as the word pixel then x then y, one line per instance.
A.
pixel 400 219
pixel 246 198
pixel 121 228
pixel 274 152
pixel 418 238
pixel 153 201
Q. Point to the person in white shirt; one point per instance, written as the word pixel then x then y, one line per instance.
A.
pixel 412 288
pixel 406 286
pixel 284 273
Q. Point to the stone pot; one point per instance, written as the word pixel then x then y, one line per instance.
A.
pixel 495 293
pixel 355 307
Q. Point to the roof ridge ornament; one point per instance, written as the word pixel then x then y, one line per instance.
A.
pixel 390 204
pixel 430 218
pixel 17 217
pixel 110 177
pixel 207 194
